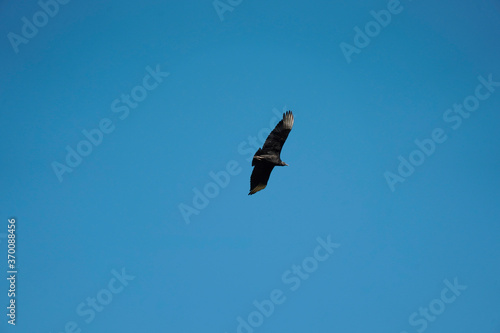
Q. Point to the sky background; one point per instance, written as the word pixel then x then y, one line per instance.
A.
pixel 119 209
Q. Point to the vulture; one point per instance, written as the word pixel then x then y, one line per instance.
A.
pixel 267 157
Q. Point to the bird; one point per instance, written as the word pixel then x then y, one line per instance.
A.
pixel 267 157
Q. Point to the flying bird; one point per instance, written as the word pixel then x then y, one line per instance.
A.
pixel 267 157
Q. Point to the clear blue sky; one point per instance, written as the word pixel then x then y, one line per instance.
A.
pixel 173 92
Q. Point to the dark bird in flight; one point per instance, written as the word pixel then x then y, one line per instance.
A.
pixel 267 157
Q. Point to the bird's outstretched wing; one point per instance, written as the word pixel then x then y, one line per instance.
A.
pixel 260 176
pixel 277 137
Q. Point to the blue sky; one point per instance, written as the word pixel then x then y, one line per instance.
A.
pixel 364 231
